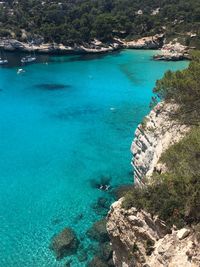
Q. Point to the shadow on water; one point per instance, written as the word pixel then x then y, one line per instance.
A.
pixel 131 75
pixel 87 57
pixel 57 220
pixel 76 113
pixel 103 183
pixel 14 58
pixel 52 86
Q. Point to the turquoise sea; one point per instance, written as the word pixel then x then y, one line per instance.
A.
pixel 66 123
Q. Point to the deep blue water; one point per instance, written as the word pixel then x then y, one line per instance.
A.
pixel 63 125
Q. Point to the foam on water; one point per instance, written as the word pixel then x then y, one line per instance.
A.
pixel 63 125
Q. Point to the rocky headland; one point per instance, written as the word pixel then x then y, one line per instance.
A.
pixel 173 51
pixel 138 238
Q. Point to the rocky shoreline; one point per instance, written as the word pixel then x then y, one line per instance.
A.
pixel 95 46
pixel 168 52
pixel 173 52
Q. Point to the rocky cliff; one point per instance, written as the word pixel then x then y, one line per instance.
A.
pixel 152 137
pixel 138 238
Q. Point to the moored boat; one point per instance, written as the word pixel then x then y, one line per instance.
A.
pixel 3 61
pixel 28 59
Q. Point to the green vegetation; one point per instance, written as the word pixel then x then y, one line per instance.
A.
pixel 175 195
pixel 79 21
pixel 183 88
pixel 135 248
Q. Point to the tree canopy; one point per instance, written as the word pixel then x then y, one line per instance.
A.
pixel 73 21
pixel 183 88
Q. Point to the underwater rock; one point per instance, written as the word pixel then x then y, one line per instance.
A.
pixel 102 206
pixel 97 262
pixel 55 221
pixel 68 113
pixel 82 256
pixel 93 248
pixel 98 231
pixel 68 263
pixel 103 202
pixel 78 218
pixel 65 243
pixel 105 251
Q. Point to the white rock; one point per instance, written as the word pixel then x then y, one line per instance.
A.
pixel 183 233
pixel 148 145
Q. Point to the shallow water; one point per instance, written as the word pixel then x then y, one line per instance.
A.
pixel 63 124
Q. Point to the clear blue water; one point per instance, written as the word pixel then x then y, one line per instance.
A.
pixel 54 141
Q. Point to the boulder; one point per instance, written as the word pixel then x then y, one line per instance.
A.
pixel 183 233
pixel 98 231
pixel 82 256
pixel 65 243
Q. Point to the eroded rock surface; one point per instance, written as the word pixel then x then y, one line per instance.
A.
pixel 140 240
pixel 152 138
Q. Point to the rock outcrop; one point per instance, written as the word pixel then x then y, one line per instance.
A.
pixel 152 137
pixel 65 243
pixel 172 52
pixel 150 42
pixel 140 240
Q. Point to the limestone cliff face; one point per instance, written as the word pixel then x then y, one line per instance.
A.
pixel 152 138
pixel 140 240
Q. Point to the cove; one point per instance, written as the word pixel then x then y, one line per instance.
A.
pixel 66 123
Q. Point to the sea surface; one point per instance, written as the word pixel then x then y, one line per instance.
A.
pixel 66 126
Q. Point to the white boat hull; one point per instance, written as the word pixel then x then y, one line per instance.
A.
pixel 3 61
pixel 28 59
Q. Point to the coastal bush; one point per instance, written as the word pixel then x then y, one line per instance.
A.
pixel 183 88
pixel 175 195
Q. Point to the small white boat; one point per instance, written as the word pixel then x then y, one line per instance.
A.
pixel 28 59
pixel 3 61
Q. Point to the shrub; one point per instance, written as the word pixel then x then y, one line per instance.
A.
pixel 174 196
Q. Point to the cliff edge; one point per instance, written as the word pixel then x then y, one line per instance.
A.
pixel 153 136
pixel 138 238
